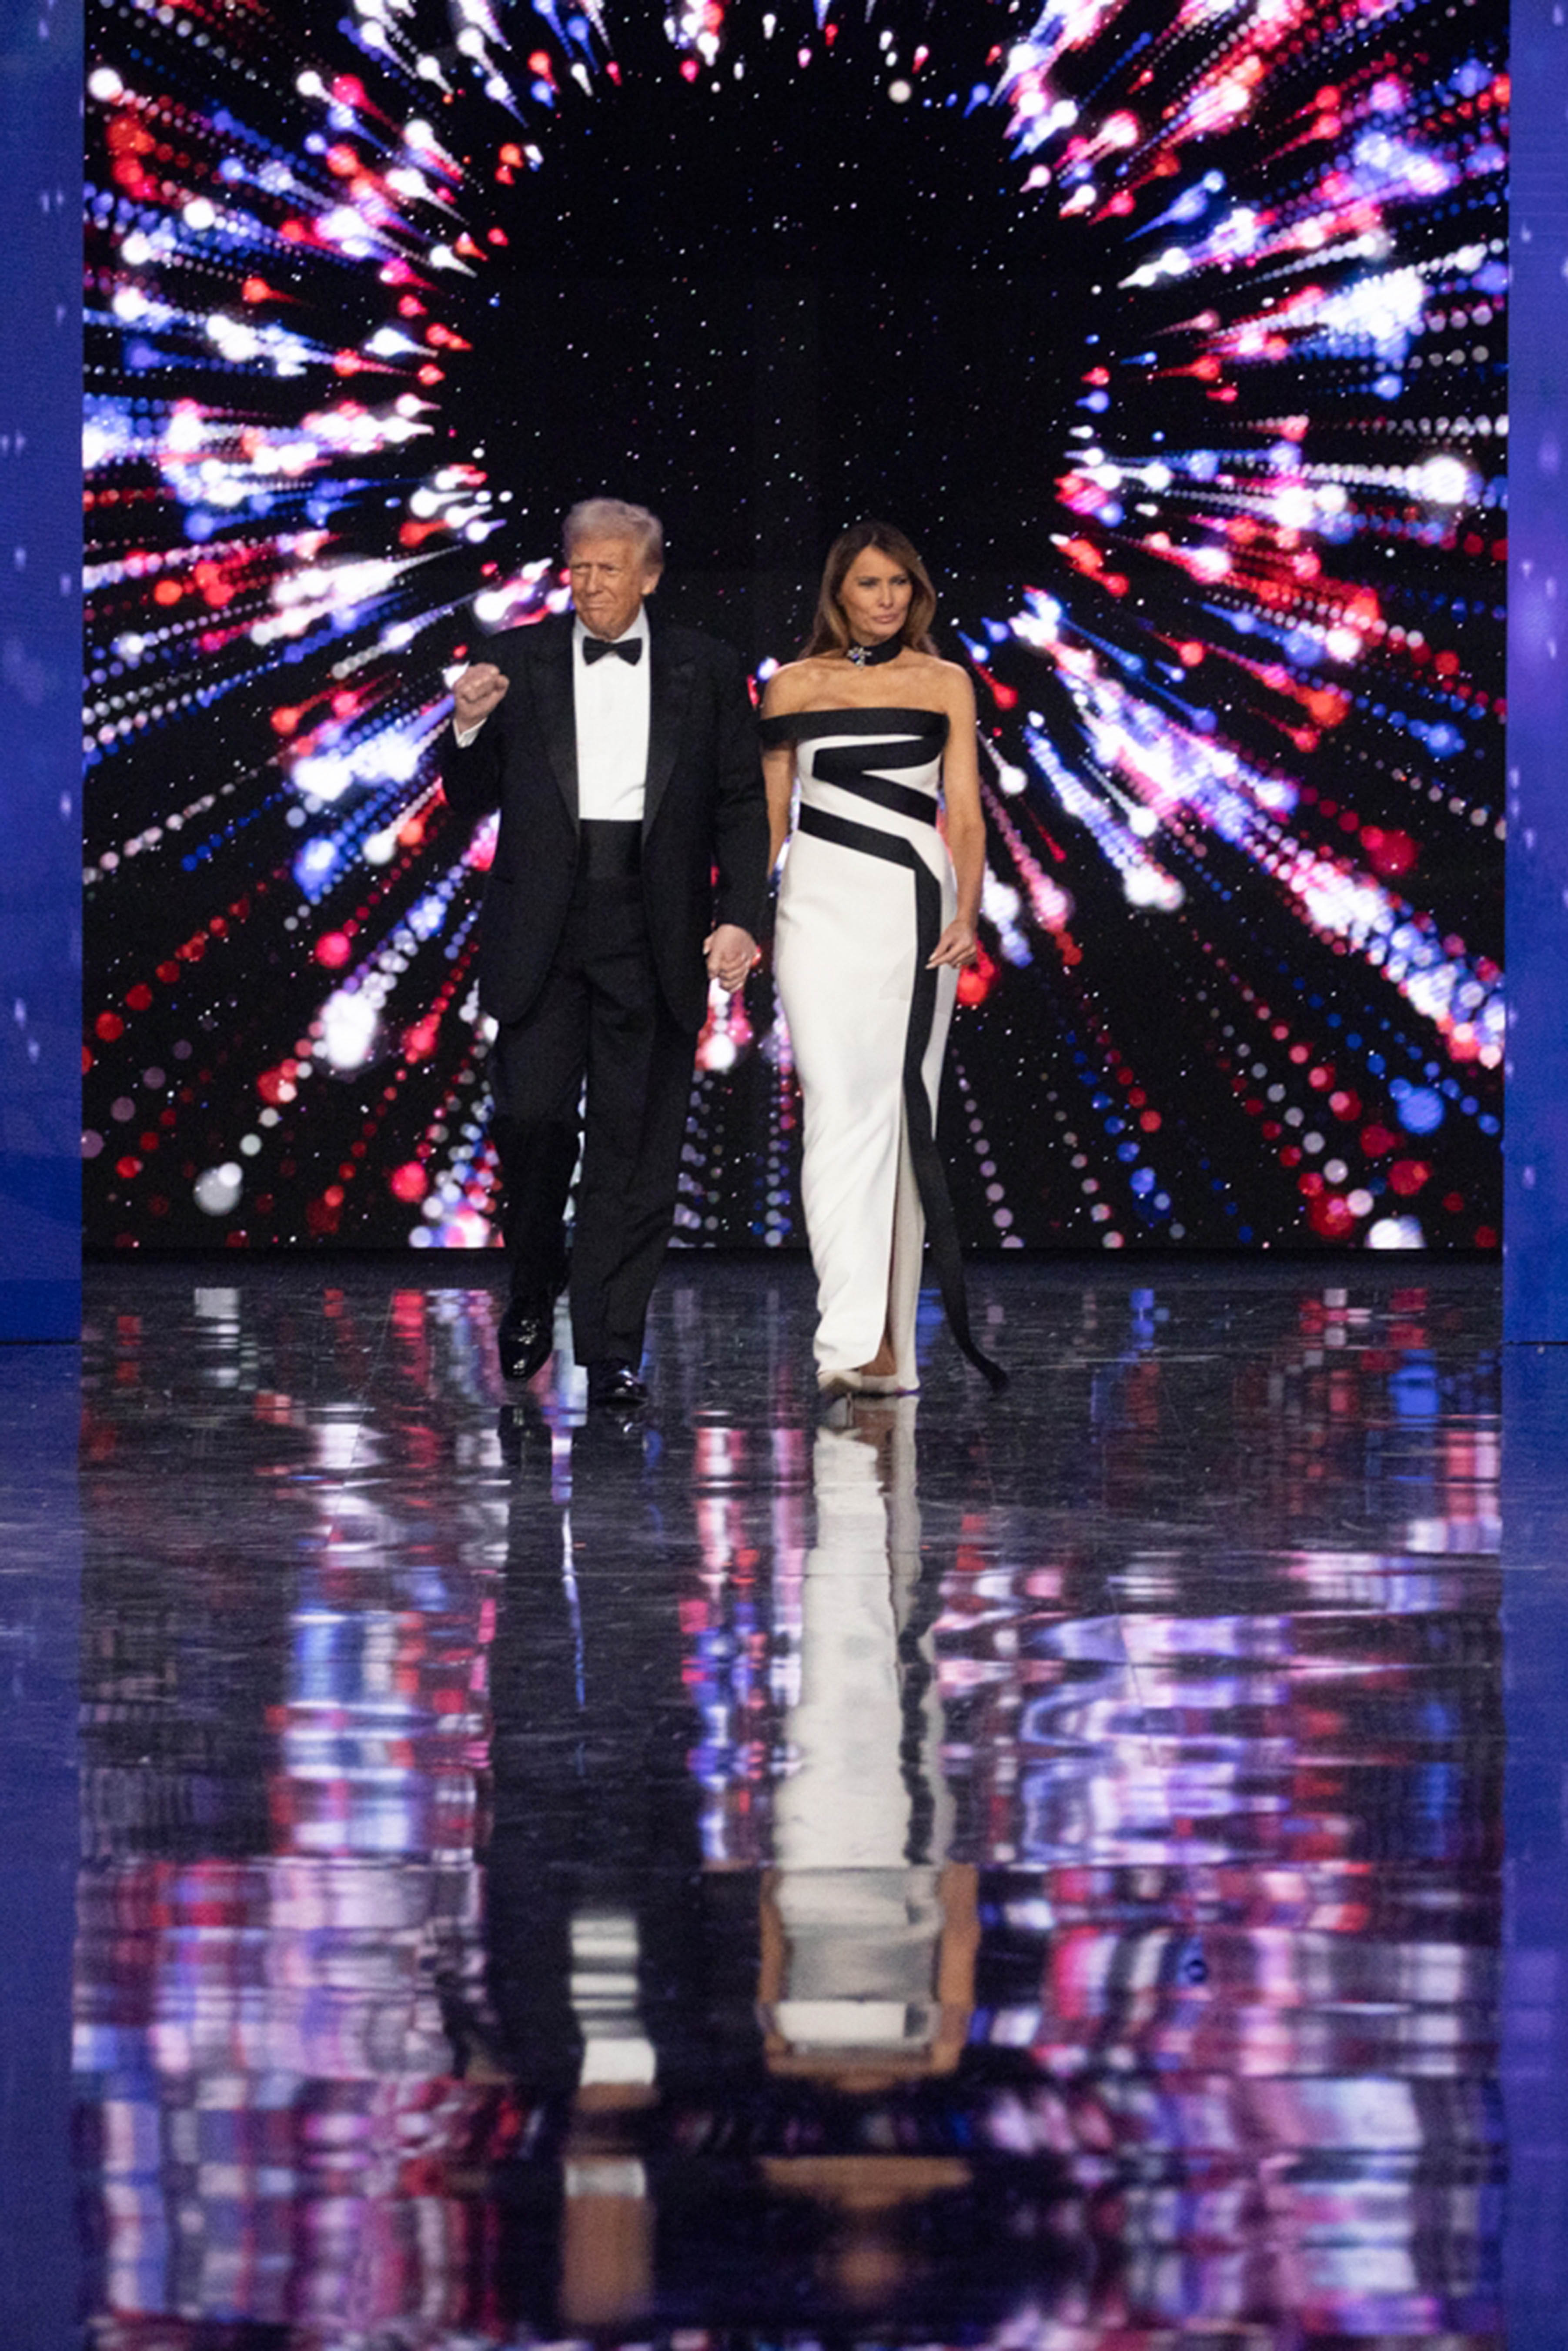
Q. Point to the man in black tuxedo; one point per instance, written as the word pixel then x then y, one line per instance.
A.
pixel 629 868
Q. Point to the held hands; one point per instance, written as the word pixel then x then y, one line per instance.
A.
pixel 957 945
pixel 730 953
pixel 476 694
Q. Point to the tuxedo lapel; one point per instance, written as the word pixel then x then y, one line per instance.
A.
pixel 669 686
pixel 554 702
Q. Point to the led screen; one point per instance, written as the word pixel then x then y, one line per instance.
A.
pixel 1173 334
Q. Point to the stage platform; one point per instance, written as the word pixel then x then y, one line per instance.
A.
pixel 1082 1869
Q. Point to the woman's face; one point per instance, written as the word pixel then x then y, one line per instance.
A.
pixel 874 597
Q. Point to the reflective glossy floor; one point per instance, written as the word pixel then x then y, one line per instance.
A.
pixel 1084 1870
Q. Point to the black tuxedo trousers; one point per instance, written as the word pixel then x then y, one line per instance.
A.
pixel 601 1016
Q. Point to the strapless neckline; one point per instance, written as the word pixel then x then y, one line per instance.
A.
pixel 871 718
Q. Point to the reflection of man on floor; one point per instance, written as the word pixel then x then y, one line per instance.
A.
pixel 620 1971
pixel 630 867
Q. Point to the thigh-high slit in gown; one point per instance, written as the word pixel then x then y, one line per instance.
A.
pixel 867 889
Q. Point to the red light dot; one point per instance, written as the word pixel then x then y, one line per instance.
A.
pixel 1391 853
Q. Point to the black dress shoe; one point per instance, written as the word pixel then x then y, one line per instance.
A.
pixel 526 1340
pixel 614 1383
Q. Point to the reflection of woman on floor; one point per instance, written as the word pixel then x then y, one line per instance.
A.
pixel 876 918
pixel 868 1935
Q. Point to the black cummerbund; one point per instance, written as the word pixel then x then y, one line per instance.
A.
pixel 608 850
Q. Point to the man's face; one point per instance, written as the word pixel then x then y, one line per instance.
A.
pixel 609 578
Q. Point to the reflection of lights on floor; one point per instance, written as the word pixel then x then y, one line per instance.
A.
pixel 421 1750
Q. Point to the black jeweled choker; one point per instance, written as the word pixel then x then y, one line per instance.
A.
pixel 868 656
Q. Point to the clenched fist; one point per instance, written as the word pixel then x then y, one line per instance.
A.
pixel 476 694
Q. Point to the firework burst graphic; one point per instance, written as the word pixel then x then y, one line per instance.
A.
pixel 1175 333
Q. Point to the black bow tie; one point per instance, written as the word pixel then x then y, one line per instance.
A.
pixel 629 648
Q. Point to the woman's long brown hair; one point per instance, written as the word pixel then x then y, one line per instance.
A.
pixel 829 629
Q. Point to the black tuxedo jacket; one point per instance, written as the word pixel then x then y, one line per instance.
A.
pixel 704 820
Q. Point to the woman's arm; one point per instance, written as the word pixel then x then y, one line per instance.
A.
pixel 779 766
pixel 966 821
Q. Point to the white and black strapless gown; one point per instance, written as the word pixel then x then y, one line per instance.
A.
pixel 867 890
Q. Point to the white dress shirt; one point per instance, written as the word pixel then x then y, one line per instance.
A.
pixel 610 705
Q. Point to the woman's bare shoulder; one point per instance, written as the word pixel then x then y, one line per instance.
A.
pixel 792 687
pixel 948 680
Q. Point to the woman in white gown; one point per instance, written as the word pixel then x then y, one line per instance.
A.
pixel 876 918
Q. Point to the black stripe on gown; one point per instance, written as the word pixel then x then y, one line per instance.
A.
pixel 850 776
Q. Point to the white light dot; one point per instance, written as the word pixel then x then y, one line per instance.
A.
pixel 217 1189
pixel 347 1029
pixel 1395 1233
pixel 1445 481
